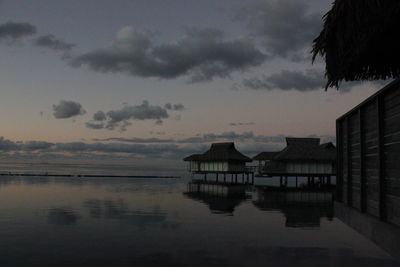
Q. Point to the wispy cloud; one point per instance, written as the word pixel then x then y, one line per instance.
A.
pixel 242 123
pixel 170 106
pixel 309 80
pixel 286 27
pixel 167 148
pixel 49 41
pixel 12 31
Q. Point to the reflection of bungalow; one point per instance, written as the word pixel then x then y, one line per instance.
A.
pixel 220 158
pixel 220 198
pixel 301 208
pixel 303 157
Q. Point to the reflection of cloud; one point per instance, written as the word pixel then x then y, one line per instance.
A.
pixel 62 216
pixel 119 210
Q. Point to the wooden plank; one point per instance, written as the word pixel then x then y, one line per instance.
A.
pixel 343 159
pixel 363 193
pixel 382 191
pixel 348 163
pixel 339 165
pixel 393 205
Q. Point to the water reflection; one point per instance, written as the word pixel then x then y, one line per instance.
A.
pixel 314 256
pixel 119 210
pixel 62 216
pixel 302 208
pixel 124 222
pixel 221 198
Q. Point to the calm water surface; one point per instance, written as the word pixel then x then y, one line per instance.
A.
pixel 155 222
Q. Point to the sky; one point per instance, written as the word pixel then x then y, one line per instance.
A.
pixel 161 79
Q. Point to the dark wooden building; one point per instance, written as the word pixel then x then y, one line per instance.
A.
pixel 221 157
pixel 368 140
pixel 358 43
pixel 303 157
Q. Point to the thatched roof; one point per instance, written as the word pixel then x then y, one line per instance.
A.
pixel 359 41
pixel 219 152
pixel 305 149
pixel 265 156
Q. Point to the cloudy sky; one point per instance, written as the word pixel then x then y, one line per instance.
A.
pixel 162 78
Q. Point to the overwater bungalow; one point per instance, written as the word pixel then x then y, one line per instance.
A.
pixel 303 157
pixel 221 158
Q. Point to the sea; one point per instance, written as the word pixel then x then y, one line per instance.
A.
pixel 110 221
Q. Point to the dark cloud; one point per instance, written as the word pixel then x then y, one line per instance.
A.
pixel 157 133
pixel 211 137
pixel 309 80
pixel 156 150
pixel 241 123
pixel 15 30
pixel 94 125
pixel 145 111
pixel 99 116
pixel 247 142
pixel 67 109
pixel 7 145
pixel 170 106
pixel 35 145
pixel 200 54
pixel 203 138
pixel 121 118
pixel 136 140
pixel 286 27
pixel 51 42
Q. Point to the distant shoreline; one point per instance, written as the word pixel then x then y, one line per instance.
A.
pixel 90 175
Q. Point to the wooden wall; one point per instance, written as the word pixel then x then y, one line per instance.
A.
pixel 309 167
pixel 216 166
pixel 368 142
